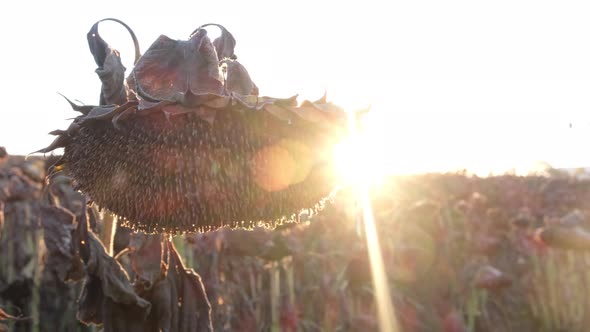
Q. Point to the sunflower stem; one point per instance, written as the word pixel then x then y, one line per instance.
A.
pixel 109 228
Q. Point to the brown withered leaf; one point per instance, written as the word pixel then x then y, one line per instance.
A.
pixel 179 300
pixel 107 296
pixel 58 224
pixel 238 79
pixel 61 190
pixel 34 169
pixel 15 186
pixel 112 74
pixel 110 69
pixel 194 310
pixel 145 254
pixel 224 44
pixel 174 70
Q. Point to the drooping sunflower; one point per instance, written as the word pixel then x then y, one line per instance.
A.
pixel 184 143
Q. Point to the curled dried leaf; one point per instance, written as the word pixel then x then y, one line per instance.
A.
pixel 58 224
pixel 224 44
pixel 237 78
pixel 16 186
pixel 110 68
pixel 99 47
pixel 190 304
pixel 145 252
pixel 107 296
pixel 178 71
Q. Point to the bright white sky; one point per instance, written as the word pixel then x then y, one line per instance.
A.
pixel 474 84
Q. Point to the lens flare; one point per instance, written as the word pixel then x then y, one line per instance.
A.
pixel 360 163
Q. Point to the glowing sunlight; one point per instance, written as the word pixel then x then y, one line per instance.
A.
pixel 395 143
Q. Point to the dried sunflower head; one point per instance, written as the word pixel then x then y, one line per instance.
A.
pixel 185 143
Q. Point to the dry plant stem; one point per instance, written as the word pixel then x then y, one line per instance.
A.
pixel 259 311
pixel 109 228
pixel 571 307
pixel 275 290
pixel 1 217
pixel 552 281
pixel 8 258
pixel 36 300
pixel 585 315
pixel 288 265
pixel 472 309
pixel 33 268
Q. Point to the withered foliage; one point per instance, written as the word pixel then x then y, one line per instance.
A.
pixel 460 253
pixel 177 293
pixel 1 217
pixel 173 300
pixel 185 143
pixel 20 189
pixel 51 255
pixel 18 185
pixel 59 224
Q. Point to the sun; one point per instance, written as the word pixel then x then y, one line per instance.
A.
pixel 374 150
pixel 388 143
pixel 359 161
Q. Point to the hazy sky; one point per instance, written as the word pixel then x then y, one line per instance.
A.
pixel 453 83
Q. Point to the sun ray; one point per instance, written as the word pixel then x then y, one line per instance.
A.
pixel 385 310
pixel 357 164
